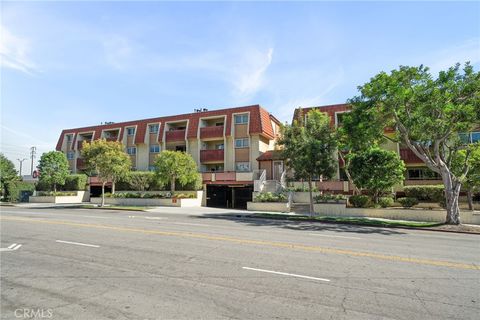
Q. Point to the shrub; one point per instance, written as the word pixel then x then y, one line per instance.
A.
pixel 55 194
pixel 270 197
pixel 15 189
pixel 328 197
pixel 408 202
pixel 360 201
pixel 302 188
pixel 385 202
pixel 75 182
pixel 434 193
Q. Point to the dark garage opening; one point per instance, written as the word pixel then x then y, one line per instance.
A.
pixel 96 191
pixel 229 196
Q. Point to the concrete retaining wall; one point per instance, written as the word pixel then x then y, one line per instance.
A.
pixel 82 196
pixel 340 210
pixel 268 206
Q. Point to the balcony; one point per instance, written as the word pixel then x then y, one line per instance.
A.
pixel 211 132
pixel 175 135
pixel 408 156
pixel 111 138
pixel 211 155
pixel 227 176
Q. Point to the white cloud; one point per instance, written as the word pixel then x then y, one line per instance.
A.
pixel 118 51
pixel 14 52
pixel 248 73
pixel 461 53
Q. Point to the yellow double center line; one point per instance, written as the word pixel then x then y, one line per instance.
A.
pixel 275 244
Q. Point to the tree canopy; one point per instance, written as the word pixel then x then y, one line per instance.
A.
pixel 309 146
pixel 175 166
pixel 8 173
pixel 425 114
pixel 53 167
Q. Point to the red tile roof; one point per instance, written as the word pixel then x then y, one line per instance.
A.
pixel 330 110
pixel 260 123
pixel 270 155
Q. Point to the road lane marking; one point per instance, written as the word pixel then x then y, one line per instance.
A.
pixel 287 274
pixel 11 247
pixel 331 236
pixel 284 245
pixel 78 243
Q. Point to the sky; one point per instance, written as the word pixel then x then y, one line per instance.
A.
pixel 74 64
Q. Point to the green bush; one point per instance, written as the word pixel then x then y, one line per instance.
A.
pixel 360 201
pixel 408 202
pixel 55 194
pixel 433 193
pixel 303 188
pixel 328 197
pixel 385 202
pixel 75 182
pixel 15 189
pixel 271 197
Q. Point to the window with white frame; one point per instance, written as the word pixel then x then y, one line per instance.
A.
pixel 132 150
pixel 241 118
pixel 154 148
pixel 242 166
pixel 70 155
pixel 153 128
pixel 130 131
pixel 241 143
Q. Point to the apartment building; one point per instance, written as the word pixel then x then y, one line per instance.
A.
pixel 224 143
pixel 416 173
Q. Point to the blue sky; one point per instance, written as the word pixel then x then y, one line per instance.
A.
pixel 73 64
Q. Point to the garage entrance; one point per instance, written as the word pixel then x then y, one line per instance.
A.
pixel 229 196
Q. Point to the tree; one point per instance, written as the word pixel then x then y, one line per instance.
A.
pixel 309 146
pixel 424 114
pixel 8 174
pixel 53 167
pixel 140 180
pixel 376 170
pixel 172 166
pixel 108 160
pixel 471 180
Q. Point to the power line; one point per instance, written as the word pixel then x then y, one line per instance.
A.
pixel 21 162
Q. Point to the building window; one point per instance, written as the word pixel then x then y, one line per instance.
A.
pixel 154 148
pixel 153 128
pixel 471 137
pixel 241 118
pixel 241 143
pixel 132 150
pixel 219 124
pixel 69 138
pixel 339 118
pixel 130 131
pixel 70 155
pixel 242 166
pixel 475 137
pixel 219 146
pixel 422 174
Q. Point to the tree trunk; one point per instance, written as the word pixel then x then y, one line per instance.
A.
pixel 172 185
pixel 349 176
pixel 113 187
pixel 55 187
pixel 470 199
pixel 311 195
pixel 103 194
pixel 452 193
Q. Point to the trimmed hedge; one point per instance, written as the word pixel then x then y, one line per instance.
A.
pixel 15 189
pixel 385 202
pixel 270 197
pixel 408 202
pixel 433 193
pixel 56 194
pixel 360 201
pixel 139 195
pixel 73 182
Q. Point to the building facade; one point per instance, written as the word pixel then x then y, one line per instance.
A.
pixel 224 143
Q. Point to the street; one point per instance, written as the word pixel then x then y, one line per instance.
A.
pixel 215 264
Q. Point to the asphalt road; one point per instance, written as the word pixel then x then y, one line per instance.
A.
pixel 187 264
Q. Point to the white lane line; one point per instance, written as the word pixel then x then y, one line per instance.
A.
pixel 78 243
pixel 191 224
pixel 331 236
pixel 12 245
pixel 287 274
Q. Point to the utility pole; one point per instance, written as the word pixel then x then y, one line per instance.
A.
pixel 33 152
pixel 21 162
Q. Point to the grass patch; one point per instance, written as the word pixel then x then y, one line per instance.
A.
pixel 349 220
pixel 127 208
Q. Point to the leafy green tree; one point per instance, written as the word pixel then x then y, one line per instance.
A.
pixel 309 146
pixel 108 160
pixel 425 114
pixel 8 174
pixel 471 180
pixel 175 166
pixel 140 180
pixel 53 167
pixel 376 170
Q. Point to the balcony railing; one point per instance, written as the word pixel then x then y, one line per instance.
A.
pixel 230 176
pixel 408 156
pixel 111 138
pixel 175 135
pixel 211 155
pixel 211 132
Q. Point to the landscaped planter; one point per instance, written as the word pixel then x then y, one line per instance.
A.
pixel 151 202
pixel 303 197
pixel 414 214
pixel 268 206
pixel 82 196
